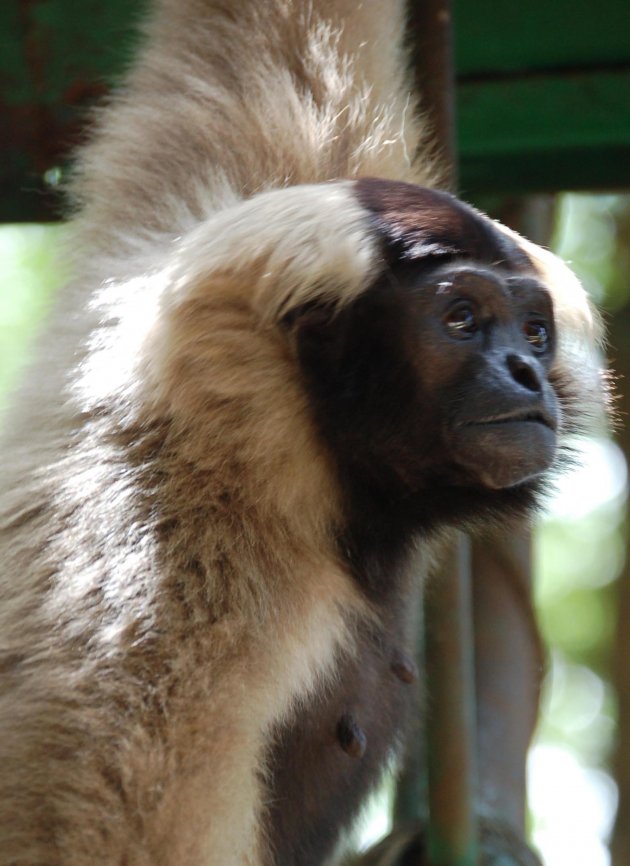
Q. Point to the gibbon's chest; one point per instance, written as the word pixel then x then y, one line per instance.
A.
pixel 329 757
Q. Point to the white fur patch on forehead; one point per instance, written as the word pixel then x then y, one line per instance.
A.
pixel 283 248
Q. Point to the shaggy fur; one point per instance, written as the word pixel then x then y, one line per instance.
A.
pixel 173 593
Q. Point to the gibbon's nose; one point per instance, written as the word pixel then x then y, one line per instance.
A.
pixel 524 373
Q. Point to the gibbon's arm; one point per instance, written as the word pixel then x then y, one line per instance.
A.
pixel 226 100
pixel 201 592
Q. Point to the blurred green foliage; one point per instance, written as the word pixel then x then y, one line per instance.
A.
pixel 592 233
pixel 580 551
pixel 30 270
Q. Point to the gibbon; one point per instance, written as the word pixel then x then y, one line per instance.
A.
pixel 281 368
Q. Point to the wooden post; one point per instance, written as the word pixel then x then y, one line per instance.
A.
pixel 431 25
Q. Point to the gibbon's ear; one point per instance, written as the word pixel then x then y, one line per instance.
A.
pixel 314 315
pixel 319 335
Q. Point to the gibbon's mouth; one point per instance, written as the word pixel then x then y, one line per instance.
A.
pixel 506 448
pixel 529 416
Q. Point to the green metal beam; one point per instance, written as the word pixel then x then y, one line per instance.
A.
pixel 509 36
pixel 545 132
pixel 543 95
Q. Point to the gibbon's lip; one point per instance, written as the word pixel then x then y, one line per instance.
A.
pixel 516 416
pixel 507 446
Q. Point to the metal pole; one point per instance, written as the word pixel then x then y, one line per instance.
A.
pixel 452 837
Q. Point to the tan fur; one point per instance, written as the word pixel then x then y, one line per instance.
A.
pixel 170 583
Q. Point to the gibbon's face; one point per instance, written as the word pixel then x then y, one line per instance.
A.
pixel 437 377
pixel 482 345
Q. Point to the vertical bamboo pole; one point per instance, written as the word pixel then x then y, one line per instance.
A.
pixel 452 837
pixel 449 664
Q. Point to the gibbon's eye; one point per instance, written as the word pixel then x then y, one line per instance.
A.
pixel 536 334
pixel 460 321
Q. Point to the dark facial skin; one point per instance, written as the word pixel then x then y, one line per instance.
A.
pixel 433 389
pixel 484 347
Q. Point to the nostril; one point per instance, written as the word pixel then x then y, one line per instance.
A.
pixel 524 373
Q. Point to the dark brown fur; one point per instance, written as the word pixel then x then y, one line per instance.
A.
pixel 315 785
pixel 418 223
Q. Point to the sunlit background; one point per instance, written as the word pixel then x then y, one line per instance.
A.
pixel 579 555
pixel 579 550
